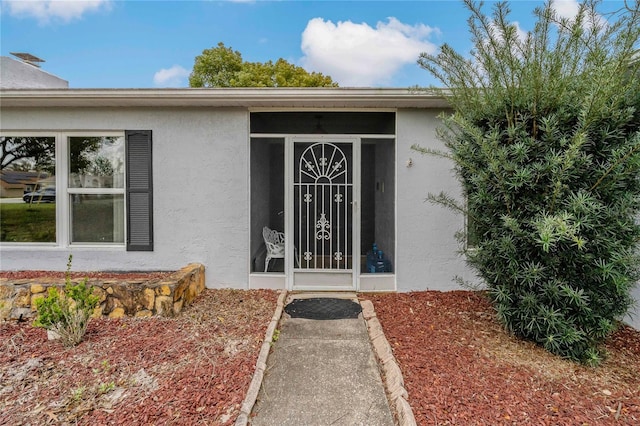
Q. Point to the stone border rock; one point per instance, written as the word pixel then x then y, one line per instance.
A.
pixel 391 373
pixel 261 365
pixel 136 297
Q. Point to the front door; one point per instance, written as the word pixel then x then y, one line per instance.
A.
pixel 324 204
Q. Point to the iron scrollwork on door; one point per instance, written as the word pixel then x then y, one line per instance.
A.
pixel 324 188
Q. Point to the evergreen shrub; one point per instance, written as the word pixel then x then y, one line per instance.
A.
pixel 545 139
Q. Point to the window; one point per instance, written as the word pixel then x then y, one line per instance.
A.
pixel 96 189
pixel 28 189
pixel 106 195
pixel 472 234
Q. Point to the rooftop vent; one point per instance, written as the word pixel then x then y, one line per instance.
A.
pixel 28 58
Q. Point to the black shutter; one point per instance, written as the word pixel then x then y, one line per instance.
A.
pixel 139 191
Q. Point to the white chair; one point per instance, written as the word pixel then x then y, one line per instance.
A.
pixel 274 241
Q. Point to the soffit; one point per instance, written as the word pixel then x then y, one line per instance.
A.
pixel 223 98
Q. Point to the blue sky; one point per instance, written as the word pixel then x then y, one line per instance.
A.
pixel 144 43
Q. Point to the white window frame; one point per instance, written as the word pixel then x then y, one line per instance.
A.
pixel 92 191
pixel 63 192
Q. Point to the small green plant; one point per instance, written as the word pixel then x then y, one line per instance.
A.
pixel 78 393
pixel 106 387
pixel 67 314
pixel 276 335
pixel 105 366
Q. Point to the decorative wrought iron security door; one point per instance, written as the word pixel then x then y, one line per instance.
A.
pixel 323 196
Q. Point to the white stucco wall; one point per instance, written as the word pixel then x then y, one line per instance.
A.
pixel 427 251
pixel 200 165
pixel 18 75
pixel 200 177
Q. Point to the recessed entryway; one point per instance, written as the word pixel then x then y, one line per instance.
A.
pixel 327 198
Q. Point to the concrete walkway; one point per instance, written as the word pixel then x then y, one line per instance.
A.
pixel 322 372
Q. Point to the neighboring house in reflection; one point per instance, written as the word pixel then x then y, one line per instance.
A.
pixel 14 183
pixel 92 181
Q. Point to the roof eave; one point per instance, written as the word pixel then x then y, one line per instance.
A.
pixel 224 97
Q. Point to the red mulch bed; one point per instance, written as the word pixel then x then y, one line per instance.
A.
pixel 193 369
pixel 461 368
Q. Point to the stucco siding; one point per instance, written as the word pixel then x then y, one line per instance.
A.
pixel 427 251
pixel 200 178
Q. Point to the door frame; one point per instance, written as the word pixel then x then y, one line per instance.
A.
pixel 324 276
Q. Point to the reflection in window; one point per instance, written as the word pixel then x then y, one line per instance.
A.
pixel 473 235
pixel 96 189
pixel 27 190
pixel 96 162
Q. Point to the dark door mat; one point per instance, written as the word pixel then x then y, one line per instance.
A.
pixel 323 308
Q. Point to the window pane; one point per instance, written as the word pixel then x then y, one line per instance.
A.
pixel 473 236
pixel 97 218
pixel 28 189
pixel 96 162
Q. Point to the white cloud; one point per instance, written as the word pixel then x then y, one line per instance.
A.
pixel 568 9
pixel 359 55
pixel 171 77
pixel 63 10
pixel 521 34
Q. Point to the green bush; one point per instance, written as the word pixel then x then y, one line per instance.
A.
pixel 545 138
pixel 67 314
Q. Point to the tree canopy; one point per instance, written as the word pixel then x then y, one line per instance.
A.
pixel 545 139
pixel 221 66
pixel 27 153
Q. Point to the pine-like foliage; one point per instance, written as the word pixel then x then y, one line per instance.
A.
pixel 545 138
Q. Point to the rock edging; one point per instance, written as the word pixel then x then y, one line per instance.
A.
pixel 391 373
pixel 261 365
pixel 162 297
